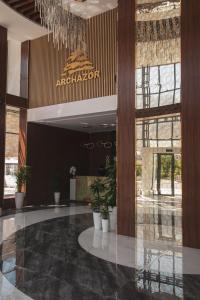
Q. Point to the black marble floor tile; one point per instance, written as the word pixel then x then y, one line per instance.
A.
pixel 46 262
pixel 13 211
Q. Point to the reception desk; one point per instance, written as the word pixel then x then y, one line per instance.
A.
pixel 80 188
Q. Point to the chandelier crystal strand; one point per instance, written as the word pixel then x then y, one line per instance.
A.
pixel 67 29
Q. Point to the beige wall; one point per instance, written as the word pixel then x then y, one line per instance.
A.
pixel 14 66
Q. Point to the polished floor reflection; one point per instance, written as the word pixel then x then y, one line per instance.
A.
pixel 159 218
pixel 44 260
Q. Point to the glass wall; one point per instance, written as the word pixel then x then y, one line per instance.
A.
pixel 158 138
pixel 158 144
pixel 158 173
pixel 158 85
pixel 11 150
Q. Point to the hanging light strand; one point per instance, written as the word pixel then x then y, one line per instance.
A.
pixel 67 29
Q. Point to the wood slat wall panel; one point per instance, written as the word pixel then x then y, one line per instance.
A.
pixel 46 65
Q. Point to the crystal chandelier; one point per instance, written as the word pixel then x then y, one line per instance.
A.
pixel 67 29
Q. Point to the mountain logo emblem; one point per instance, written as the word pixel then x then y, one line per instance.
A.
pixel 77 62
pixel 77 68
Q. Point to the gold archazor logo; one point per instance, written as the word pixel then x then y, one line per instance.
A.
pixel 78 68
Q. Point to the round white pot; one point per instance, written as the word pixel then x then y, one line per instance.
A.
pixel 57 197
pixel 97 220
pixel 113 219
pixel 97 239
pixel 105 225
pixel 105 240
pixel 19 200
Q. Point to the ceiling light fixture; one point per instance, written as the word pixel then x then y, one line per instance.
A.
pixel 84 125
pixel 67 29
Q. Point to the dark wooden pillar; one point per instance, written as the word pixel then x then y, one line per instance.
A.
pixel 126 118
pixel 24 82
pixel 190 59
pixel 3 80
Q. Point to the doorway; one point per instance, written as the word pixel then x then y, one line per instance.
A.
pixel 167 174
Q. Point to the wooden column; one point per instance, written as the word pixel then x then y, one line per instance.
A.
pixel 24 84
pixel 3 80
pixel 24 81
pixel 126 118
pixel 190 59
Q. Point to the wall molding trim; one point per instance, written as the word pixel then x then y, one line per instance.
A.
pixel 72 109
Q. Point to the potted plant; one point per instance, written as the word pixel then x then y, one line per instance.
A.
pixel 105 218
pixel 72 172
pixel 110 193
pixel 97 188
pixel 22 176
pixel 57 180
pixel 96 214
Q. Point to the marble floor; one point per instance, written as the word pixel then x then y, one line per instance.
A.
pixel 159 218
pixel 50 254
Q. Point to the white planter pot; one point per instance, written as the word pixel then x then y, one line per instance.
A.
pixel 114 210
pixel 72 189
pixel 19 200
pixel 113 219
pixel 97 220
pixel 105 224
pixel 57 197
pixel 105 240
pixel 97 239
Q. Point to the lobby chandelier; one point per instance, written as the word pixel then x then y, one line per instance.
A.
pixel 67 29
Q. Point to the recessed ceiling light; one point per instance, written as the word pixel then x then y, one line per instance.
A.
pixel 107 125
pixel 84 125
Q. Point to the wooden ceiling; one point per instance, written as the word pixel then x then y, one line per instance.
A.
pixel 25 8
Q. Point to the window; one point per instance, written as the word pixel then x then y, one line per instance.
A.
pixel 158 85
pixel 11 150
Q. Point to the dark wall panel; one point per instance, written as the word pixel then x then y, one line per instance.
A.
pixel 3 79
pixel 24 93
pixel 126 117
pixel 98 155
pixel 24 76
pixel 50 150
pixel 190 65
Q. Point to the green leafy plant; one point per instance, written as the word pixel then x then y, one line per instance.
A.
pixel 138 170
pixel 97 188
pixel 104 212
pixel 177 168
pixel 110 184
pixel 165 166
pixel 22 176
